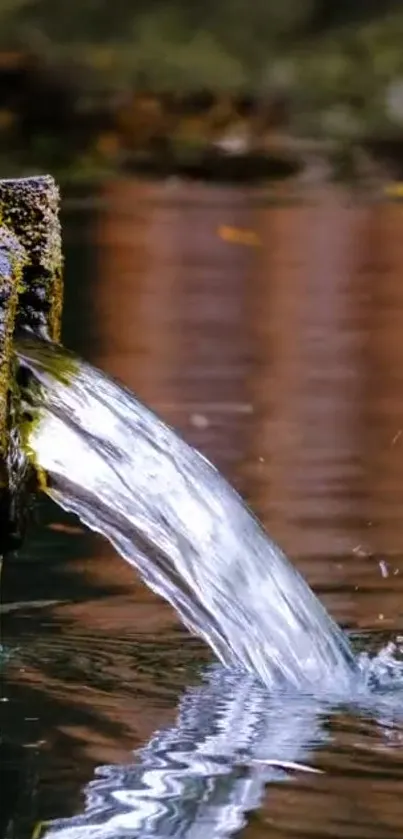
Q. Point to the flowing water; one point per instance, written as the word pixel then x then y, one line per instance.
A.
pixel 271 337
pixel 171 514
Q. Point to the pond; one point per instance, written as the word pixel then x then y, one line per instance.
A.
pixel 271 335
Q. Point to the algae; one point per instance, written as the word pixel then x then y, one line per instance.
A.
pixel 31 298
pixel 61 366
pixel 30 208
pixel 12 261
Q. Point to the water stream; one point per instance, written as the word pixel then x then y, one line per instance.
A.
pixel 169 512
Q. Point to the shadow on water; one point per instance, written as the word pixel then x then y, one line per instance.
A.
pixel 280 355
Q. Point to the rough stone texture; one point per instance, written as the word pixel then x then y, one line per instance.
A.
pixel 30 208
pixel 12 261
pixel 30 298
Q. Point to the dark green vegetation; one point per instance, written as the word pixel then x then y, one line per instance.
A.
pixel 174 43
pixel 86 88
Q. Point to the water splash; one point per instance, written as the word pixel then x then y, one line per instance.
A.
pixel 382 669
pixel 170 513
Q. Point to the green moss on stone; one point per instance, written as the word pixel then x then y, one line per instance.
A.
pixel 30 208
pixel 30 299
pixel 12 262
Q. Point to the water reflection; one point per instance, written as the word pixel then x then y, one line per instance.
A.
pixel 306 336
pixel 384 426
pixel 170 308
pixel 207 771
pixel 309 350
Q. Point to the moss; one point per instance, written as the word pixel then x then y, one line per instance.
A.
pixel 30 208
pixel 27 426
pixel 12 262
pixel 41 355
pixel 38 356
pixel 30 298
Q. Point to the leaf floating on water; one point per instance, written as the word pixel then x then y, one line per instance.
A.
pixel 288 765
pixel 239 236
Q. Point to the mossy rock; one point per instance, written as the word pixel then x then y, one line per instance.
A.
pixel 30 299
pixel 30 208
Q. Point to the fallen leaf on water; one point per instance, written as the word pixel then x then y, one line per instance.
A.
pixel 239 236
pixel 288 764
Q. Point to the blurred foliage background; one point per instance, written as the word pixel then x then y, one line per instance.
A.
pixel 90 85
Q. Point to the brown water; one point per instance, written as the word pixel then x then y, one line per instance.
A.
pixel 271 336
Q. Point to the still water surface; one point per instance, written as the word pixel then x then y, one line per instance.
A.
pixel 271 336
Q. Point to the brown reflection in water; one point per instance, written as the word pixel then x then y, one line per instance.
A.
pixel 171 305
pixel 379 580
pixel 135 291
pixel 215 267
pixel 354 808
pixel 385 419
pixel 307 383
